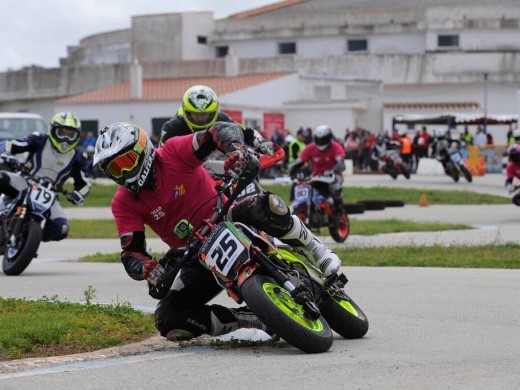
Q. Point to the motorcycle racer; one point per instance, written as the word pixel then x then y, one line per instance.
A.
pixel 164 186
pixel 199 110
pixel 325 154
pixel 53 156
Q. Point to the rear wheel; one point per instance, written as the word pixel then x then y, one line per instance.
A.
pixel 339 230
pixel 344 316
pixel 274 306
pixel 17 258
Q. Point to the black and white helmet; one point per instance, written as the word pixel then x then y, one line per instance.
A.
pixel 126 155
pixel 322 136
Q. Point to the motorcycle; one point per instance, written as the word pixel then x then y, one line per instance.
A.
pixel 278 283
pixel 316 209
pixel 454 167
pixel 22 220
pixel 392 163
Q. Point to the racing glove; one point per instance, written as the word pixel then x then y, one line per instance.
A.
pixel 9 161
pixel 235 163
pixel 153 272
pixel 75 197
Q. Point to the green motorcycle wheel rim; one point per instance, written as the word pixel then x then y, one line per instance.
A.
pixel 347 306
pixel 282 299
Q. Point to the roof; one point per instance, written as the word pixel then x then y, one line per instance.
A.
pixel 265 9
pixel 451 118
pixel 290 7
pixel 168 89
pixel 432 106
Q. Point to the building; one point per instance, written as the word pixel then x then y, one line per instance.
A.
pixel 347 63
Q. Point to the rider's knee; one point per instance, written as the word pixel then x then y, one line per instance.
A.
pixel 56 230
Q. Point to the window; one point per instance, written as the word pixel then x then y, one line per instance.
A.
pixel 90 125
pixel 221 51
pixel 287 48
pixel 202 40
pixel 448 40
pixel 357 45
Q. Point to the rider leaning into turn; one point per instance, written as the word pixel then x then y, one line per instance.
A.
pixel 159 188
pixel 442 145
pixel 199 110
pixel 325 154
pixel 53 156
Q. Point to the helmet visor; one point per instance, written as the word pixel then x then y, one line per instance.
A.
pixel 200 118
pixel 66 133
pixel 127 161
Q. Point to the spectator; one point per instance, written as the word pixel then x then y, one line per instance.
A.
pixel 480 138
pixel 352 147
pixel 489 139
pixel 467 137
pixel 89 140
pixel 406 147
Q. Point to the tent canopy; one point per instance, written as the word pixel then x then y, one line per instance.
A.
pixel 454 119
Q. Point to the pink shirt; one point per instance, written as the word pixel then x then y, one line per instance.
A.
pixel 184 190
pixel 322 160
pixel 513 170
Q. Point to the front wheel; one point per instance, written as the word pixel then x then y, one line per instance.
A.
pixel 466 173
pixel 344 316
pixel 339 230
pixel 274 306
pixel 17 258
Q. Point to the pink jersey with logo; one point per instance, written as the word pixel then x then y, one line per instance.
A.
pixel 322 160
pixel 184 190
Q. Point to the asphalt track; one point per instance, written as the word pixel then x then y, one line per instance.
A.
pixel 429 328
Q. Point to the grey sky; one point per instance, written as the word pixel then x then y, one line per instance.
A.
pixel 38 32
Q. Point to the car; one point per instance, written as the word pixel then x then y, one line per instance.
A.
pixel 16 125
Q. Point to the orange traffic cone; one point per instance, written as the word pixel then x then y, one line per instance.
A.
pixel 423 202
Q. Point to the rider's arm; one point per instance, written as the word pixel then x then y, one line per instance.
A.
pixel 27 144
pixel 296 166
pixel 340 165
pixel 81 183
pixel 134 255
pixel 224 136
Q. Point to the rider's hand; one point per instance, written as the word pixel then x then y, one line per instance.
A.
pixel 9 161
pixel 235 163
pixel 153 272
pixel 75 197
pixel 264 146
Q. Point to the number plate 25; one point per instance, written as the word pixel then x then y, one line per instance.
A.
pixel 225 250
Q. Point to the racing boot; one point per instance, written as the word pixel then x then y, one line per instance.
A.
pixel 301 237
pixel 225 320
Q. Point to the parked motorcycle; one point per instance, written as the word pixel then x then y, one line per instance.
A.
pixel 454 167
pixel 316 209
pixel 22 220
pixel 392 163
pixel 278 283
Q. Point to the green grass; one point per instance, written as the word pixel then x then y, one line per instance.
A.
pixel 484 256
pixel 48 327
pixel 105 228
pixel 101 195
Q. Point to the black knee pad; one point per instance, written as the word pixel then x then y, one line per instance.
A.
pixel 6 187
pixel 265 211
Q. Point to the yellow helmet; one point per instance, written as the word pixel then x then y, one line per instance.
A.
pixel 200 107
pixel 64 131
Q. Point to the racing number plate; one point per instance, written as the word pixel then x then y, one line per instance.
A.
pixel 41 198
pixel 456 157
pixel 301 192
pixel 223 249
